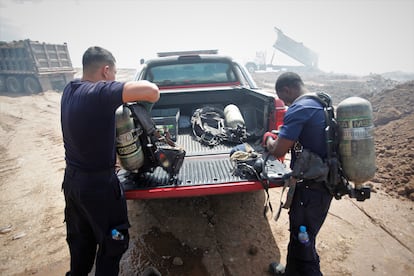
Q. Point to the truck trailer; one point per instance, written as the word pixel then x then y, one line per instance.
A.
pixel 32 67
pixel 296 50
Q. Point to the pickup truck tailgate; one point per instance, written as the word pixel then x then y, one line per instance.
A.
pixel 203 167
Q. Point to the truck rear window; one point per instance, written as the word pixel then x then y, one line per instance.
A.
pixel 191 74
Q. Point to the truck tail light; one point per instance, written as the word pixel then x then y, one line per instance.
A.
pixel 276 118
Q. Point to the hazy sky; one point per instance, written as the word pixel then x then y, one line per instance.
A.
pixel 350 36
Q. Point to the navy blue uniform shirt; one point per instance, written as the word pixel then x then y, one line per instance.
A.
pixel 304 121
pixel 88 123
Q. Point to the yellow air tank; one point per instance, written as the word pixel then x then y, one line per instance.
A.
pixel 356 139
pixel 128 147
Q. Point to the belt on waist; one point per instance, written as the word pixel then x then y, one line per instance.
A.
pixel 71 170
pixel 312 185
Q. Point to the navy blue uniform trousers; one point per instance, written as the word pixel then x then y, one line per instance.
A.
pixel 310 205
pixel 95 204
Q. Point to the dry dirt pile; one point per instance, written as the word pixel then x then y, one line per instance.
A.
pixel 394 139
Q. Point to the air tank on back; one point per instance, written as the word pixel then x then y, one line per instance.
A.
pixel 233 116
pixel 128 147
pixel 356 146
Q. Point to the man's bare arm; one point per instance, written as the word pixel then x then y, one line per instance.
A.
pixel 279 147
pixel 140 91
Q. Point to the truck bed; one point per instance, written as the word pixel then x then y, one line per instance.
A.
pixel 203 165
pixel 207 168
pixel 192 82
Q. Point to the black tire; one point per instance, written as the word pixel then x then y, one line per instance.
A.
pixel 251 67
pixel 13 85
pixel 3 86
pixel 31 85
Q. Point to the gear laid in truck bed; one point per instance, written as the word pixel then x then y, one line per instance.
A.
pixel 197 169
pixel 194 81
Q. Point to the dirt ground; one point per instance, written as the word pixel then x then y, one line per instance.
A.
pixel 216 235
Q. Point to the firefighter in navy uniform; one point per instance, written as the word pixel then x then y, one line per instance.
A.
pixel 304 123
pixel 95 202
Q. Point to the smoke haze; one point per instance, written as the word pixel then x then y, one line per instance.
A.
pixel 358 37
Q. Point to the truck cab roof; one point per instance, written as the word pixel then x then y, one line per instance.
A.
pixel 194 69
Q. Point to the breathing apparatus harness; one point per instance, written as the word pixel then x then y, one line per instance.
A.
pixel 336 180
pixel 247 163
pixel 310 166
pixel 209 127
pixel 158 150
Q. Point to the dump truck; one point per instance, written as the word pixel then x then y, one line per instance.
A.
pixel 296 50
pixel 209 105
pixel 31 66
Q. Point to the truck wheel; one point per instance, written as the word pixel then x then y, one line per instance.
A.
pixel 251 67
pixel 3 84
pixel 31 85
pixel 13 85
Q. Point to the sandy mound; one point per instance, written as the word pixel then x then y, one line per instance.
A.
pixel 394 139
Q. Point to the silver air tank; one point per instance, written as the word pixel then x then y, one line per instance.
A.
pixel 128 147
pixel 356 139
pixel 233 116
